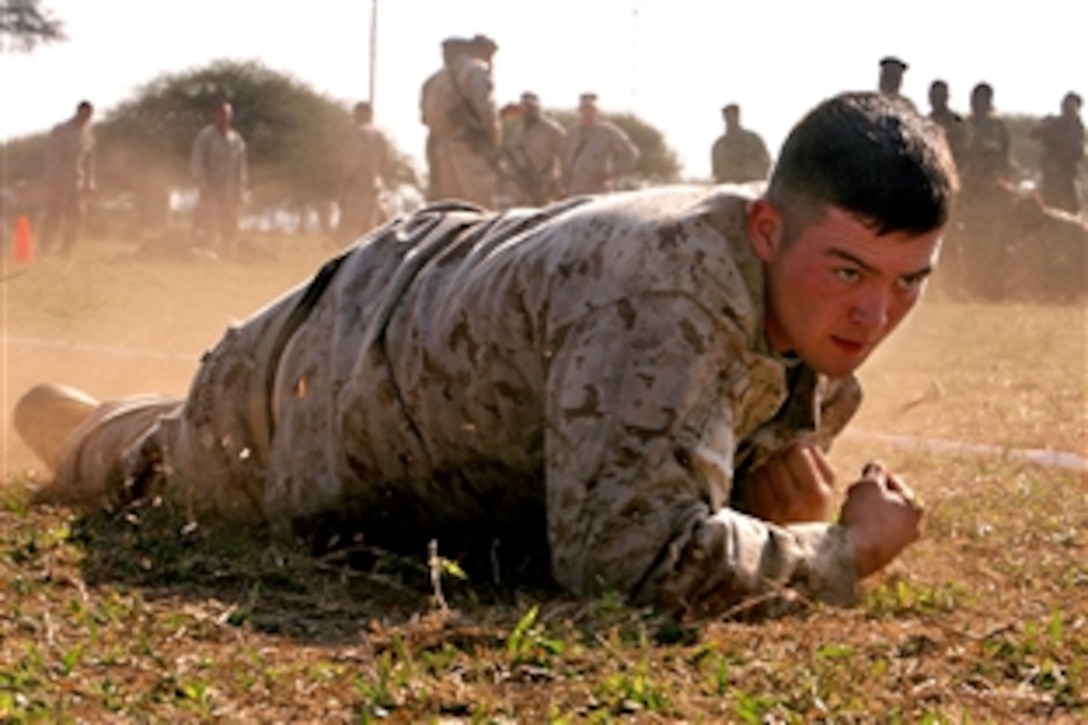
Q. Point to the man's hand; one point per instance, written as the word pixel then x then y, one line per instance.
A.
pixel 881 516
pixel 794 486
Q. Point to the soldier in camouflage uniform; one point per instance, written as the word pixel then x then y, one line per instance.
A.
pixel 1062 139
pixel 648 379
pixel 220 167
pixel 739 155
pixel 366 161
pixel 533 155
pixel 458 107
pixel 595 152
pixel 988 158
pixel 69 180
pixel 955 128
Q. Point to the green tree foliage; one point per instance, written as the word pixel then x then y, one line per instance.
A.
pixel 294 135
pixel 657 164
pixel 25 24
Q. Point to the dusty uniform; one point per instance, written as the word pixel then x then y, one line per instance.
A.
pixel 595 155
pixel 69 176
pixel 598 367
pixel 955 132
pixel 221 172
pixel 366 159
pixel 1062 140
pixel 740 156
pixel 987 160
pixel 458 107
pixel 534 156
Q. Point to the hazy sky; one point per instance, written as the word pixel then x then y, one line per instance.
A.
pixel 674 62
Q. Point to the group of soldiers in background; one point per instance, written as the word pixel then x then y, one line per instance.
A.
pixel 469 157
pixel 981 146
pixel 980 143
pixel 536 161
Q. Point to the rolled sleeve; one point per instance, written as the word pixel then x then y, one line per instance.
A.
pixel 642 414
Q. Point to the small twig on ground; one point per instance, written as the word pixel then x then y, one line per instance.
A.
pixel 434 563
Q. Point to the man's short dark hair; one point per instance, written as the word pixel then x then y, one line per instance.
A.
pixel 870 155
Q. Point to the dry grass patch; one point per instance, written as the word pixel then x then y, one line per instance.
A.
pixel 139 616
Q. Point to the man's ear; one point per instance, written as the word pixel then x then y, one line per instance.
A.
pixel 765 228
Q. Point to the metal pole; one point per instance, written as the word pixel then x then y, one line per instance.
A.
pixel 373 45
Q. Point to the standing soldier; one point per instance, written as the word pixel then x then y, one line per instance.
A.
pixel 1062 138
pixel 988 158
pixel 534 155
pixel 891 76
pixel 739 155
pixel 366 162
pixel 955 128
pixel 221 173
pixel 595 152
pixel 69 179
pixel 458 108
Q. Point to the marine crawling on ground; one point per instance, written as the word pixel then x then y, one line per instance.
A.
pixel 650 380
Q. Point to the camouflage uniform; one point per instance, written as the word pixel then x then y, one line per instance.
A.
pixel 594 155
pixel 987 159
pixel 598 367
pixel 366 160
pixel 1062 139
pixel 458 107
pixel 739 156
pixel 955 132
pixel 221 172
pixel 533 154
pixel 69 177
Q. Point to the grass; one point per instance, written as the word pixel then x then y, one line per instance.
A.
pixel 141 617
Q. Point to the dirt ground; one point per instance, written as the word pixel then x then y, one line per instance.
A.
pixel 114 326
pixel 139 618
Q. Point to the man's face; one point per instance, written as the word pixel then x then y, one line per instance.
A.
pixel 938 96
pixel 587 113
pixel 981 103
pixel 223 116
pixel 891 78
pixel 836 290
pixel 1070 107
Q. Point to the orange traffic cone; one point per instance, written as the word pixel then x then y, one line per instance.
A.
pixel 23 251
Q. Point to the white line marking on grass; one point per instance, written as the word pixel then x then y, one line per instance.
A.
pixel 1053 459
pixel 1041 456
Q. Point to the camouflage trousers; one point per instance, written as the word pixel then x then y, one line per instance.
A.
pixel 463 173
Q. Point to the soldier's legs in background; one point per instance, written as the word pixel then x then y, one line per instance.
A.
pixel 52 222
pixel 227 224
pixel 71 224
pixel 473 178
pixel 347 228
pixel 202 221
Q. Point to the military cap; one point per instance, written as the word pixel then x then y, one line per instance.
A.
pixel 530 97
pixel 730 107
pixel 587 99
pixel 892 60
pixel 484 43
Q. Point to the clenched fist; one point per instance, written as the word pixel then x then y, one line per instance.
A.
pixel 882 518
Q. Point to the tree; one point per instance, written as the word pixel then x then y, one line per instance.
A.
pixel 294 135
pixel 24 24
